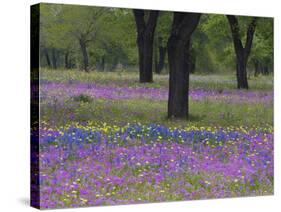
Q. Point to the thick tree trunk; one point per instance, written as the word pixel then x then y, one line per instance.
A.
pixel 140 42
pixel 179 63
pixel 145 59
pixel 47 58
pixel 145 46
pixel 241 72
pixel 242 53
pixel 146 74
pixel 84 52
pixel 178 55
pixel 54 59
pixel 145 31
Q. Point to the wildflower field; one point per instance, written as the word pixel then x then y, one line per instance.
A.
pixel 105 139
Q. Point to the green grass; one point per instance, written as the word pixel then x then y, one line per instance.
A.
pixel 123 78
pixel 203 113
pixel 120 112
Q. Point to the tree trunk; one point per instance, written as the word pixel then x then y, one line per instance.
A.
pixel 242 53
pixel 54 59
pixel 179 54
pixel 66 60
pixel 257 68
pixel 146 75
pixel 162 55
pixel 84 52
pixel 179 79
pixel 145 36
pixel 140 42
pixel 265 69
pixel 102 63
pixel 47 57
pixel 241 71
pixel 155 53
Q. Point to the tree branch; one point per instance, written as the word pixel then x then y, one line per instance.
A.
pixel 250 36
pixel 152 20
pixel 235 31
pixel 139 19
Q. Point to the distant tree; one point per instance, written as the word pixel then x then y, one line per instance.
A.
pixel 86 37
pixel 242 52
pixel 145 37
pixel 179 56
pixel 162 49
pixel 54 58
pixel 212 45
pixel 262 52
pixel 84 24
pixel 46 54
pixel 116 45
pixel 162 33
pixel 54 37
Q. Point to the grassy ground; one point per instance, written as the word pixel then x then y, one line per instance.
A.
pixel 204 113
pixel 131 79
pixel 120 112
pixel 105 139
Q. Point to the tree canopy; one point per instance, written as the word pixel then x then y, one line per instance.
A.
pixel 105 39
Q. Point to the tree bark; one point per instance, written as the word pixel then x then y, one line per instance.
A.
pixel 155 53
pixel 241 71
pixel 179 55
pixel 145 36
pixel 257 68
pixel 242 53
pixel 54 59
pixel 66 60
pixel 102 63
pixel 47 58
pixel 162 55
pixel 264 68
pixel 84 52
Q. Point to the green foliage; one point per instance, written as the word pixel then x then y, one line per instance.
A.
pixel 263 42
pixel 83 98
pixel 107 32
pixel 110 37
pixel 213 44
pixel 164 27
